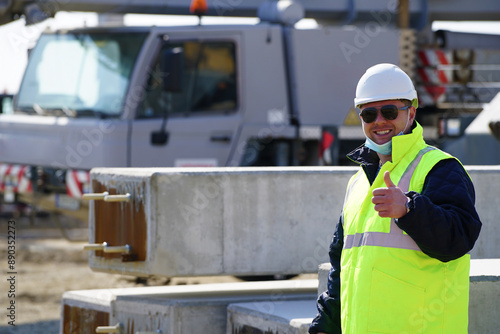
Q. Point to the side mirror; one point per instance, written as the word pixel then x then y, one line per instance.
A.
pixel 172 68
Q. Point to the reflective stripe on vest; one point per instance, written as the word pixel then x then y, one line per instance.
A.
pixel 396 237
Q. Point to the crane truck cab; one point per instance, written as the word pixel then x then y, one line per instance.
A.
pixel 250 95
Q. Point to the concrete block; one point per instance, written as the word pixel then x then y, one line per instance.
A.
pixel 323 271
pixel 83 311
pixel 238 221
pixel 221 221
pixel 173 309
pixel 284 317
pixel 484 294
pixel 486 180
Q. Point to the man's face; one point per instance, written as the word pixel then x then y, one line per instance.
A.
pixel 382 130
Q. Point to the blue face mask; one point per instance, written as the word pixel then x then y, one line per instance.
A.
pixel 386 148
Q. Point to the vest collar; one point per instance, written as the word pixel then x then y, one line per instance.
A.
pixel 405 143
pixel 369 160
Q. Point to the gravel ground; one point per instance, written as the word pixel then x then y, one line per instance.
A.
pixel 47 265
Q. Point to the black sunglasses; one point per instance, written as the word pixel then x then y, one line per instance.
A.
pixel 389 112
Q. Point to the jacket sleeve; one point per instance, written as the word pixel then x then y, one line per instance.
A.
pixel 328 304
pixel 444 222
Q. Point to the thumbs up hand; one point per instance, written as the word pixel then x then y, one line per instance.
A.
pixel 391 201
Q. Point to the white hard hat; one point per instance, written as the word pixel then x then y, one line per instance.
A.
pixel 385 82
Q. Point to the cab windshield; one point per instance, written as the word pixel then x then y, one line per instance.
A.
pixel 79 74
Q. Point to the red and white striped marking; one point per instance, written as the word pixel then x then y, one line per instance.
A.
pixel 433 78
pixel 15 176
pixel 325 156
pixel 76 181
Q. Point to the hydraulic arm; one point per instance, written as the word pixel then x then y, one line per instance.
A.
pixel 342 12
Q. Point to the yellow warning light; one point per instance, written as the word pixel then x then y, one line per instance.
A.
pixel 198 7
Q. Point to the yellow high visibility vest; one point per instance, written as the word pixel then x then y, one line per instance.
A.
pixel 388 285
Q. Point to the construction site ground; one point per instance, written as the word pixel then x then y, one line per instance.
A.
pixel 49 260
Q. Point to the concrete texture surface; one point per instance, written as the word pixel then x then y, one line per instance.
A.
pixel 185 309
pixel 286 317
pixel 252 221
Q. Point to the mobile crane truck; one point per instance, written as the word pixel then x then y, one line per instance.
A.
pixel 267 94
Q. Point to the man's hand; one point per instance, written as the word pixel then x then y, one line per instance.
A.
pixel 391 201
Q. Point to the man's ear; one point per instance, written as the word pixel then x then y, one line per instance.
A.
pixel 413 114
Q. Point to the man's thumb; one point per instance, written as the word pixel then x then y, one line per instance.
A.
pixel 387 180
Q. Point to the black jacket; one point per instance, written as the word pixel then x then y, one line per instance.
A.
pixel 443 222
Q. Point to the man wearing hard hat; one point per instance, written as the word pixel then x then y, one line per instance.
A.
pixel 399 255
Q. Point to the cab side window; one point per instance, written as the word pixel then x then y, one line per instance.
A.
pixel 208 82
